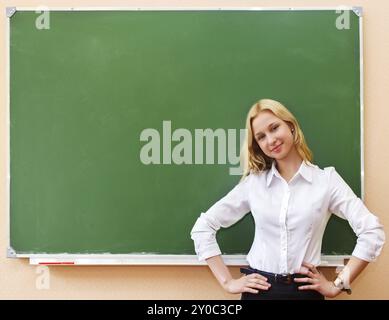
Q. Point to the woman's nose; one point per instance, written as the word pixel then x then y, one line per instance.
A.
pixel 272 142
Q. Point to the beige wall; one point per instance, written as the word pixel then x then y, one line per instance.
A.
pixel 18 278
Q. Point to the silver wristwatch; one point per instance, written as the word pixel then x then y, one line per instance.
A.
pixel 339 283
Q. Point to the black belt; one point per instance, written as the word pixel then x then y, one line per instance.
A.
pixel 286 278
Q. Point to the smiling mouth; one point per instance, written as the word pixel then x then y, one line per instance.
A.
pixel 276 147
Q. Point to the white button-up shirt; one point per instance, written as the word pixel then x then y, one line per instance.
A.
pixel 290 218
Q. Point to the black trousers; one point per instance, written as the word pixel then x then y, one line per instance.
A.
pixel 280 290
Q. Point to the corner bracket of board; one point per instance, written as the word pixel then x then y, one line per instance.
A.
pixel 358 11
pixel 10 11
pixel 11 253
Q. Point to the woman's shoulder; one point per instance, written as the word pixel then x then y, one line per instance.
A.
pixel 324 172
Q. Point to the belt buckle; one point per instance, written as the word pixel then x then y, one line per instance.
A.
pixel 286 278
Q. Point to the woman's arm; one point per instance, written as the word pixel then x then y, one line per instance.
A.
pixel 371 237
pixel 219 270
pixel 223 214
pixel 344 203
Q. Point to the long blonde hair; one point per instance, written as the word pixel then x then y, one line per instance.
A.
pixel 252 157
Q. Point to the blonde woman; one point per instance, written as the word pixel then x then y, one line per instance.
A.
pixel 291 201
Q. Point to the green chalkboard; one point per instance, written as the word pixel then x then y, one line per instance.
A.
pixel 83 90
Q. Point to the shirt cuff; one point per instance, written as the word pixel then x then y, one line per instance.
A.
pixel 209 252
pixel 364 253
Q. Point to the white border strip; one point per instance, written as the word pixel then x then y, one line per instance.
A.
pixel 153 259
pixel 113 259
pixel 213 8
pixel 10 252
pixel 362 107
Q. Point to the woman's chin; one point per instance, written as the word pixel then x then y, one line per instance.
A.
pixel 280 156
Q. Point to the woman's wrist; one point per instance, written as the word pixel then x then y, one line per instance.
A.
pixel 328 289
pixel 225 282
pixel 337 291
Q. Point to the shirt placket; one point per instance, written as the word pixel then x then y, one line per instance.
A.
pixel 284 232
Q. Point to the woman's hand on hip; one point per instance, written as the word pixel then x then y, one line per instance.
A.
pixel 248 283
pixel 317 280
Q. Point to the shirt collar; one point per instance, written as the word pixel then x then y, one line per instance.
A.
pixel 305 171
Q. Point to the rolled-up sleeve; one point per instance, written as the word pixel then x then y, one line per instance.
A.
pixel 224 213
pixel 346 205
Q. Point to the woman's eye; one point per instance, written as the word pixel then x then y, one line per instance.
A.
pixel 274 128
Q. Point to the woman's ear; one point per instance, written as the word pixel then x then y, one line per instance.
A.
pixel 291 127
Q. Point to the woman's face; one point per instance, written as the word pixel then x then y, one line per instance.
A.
pixel 272 134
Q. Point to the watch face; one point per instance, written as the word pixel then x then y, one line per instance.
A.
pixel 340 285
